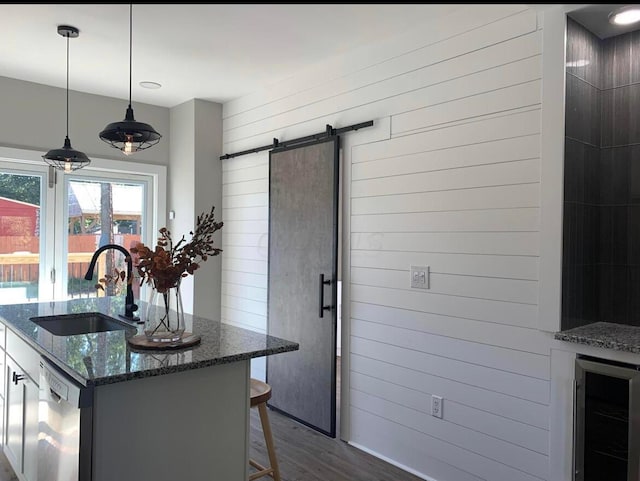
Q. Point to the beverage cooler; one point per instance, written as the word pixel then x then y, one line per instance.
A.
pixel 607 421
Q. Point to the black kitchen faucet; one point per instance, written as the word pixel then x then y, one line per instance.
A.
pixel 129 307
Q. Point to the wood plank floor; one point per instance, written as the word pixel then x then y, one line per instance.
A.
pixel 306 455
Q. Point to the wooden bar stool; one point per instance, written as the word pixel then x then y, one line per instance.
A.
pixel 260 394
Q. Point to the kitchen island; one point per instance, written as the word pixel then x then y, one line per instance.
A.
pixel 144 415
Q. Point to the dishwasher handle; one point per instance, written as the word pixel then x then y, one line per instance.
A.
pixel 55 396
pixel 57 387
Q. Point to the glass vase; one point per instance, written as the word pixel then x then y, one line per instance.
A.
pixel 164 320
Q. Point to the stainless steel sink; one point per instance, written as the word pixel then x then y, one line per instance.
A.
pixel 81 323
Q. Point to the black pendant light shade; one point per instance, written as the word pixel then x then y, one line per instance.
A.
pixel 67 158
pixel 128 135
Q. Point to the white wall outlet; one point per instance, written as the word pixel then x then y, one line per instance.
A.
pixel 419 277
pixel 436 406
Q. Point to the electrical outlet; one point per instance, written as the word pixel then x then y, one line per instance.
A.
pixel 419 277
pixel 436 406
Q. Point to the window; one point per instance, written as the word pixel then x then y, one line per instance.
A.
pixel 23 233
pixel 51 223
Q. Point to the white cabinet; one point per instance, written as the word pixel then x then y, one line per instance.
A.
pixel 21 396
pixel 3 369
pixel 15 409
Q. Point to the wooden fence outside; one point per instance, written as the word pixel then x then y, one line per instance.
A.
pixel 19 257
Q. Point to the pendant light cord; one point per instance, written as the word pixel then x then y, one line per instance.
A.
pixel 130 48
pixel 67 158
pixel 130 136
pixel 67 84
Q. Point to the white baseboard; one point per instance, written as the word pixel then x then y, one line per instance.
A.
pixel 391 461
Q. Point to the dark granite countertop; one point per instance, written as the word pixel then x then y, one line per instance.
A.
pixel 106 357
pixel 619 337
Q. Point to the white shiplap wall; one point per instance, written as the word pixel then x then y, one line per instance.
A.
pixel 450 178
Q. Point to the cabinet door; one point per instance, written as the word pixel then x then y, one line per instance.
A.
pixel 2 416
pixel 3 387
pixel 30 442
pixel 15 416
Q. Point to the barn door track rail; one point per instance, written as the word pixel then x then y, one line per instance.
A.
pixel 329 132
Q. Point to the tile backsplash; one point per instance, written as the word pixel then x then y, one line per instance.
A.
pixel 601 241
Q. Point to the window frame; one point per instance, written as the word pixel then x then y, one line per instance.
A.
pixel 47 231
pixel 55 194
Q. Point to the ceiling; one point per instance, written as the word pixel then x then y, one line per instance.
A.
pixel 595 18
pixel 214 52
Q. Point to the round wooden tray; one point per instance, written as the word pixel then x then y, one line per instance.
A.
pixel 141 342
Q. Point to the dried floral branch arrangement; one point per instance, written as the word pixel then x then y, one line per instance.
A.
pixel 165 266
pixel 117 280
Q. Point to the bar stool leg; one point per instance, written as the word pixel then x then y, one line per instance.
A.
pixel 266 429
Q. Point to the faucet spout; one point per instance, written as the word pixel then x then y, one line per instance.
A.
pixel 130 307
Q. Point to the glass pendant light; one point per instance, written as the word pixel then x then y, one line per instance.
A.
pixel 67 158
pixel 130 136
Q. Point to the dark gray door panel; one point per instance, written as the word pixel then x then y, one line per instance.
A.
pixel 303 237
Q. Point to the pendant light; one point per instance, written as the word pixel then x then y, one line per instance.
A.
pixel 67 158
pixel 130 136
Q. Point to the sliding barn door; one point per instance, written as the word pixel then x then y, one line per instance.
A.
pixel 303 248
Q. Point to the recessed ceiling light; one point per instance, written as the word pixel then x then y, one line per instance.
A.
pixel 150 85
pixel 625 15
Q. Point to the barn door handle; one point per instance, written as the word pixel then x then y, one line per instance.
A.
pixel 321 303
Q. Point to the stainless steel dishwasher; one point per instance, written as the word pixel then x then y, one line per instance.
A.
pixel 64 438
